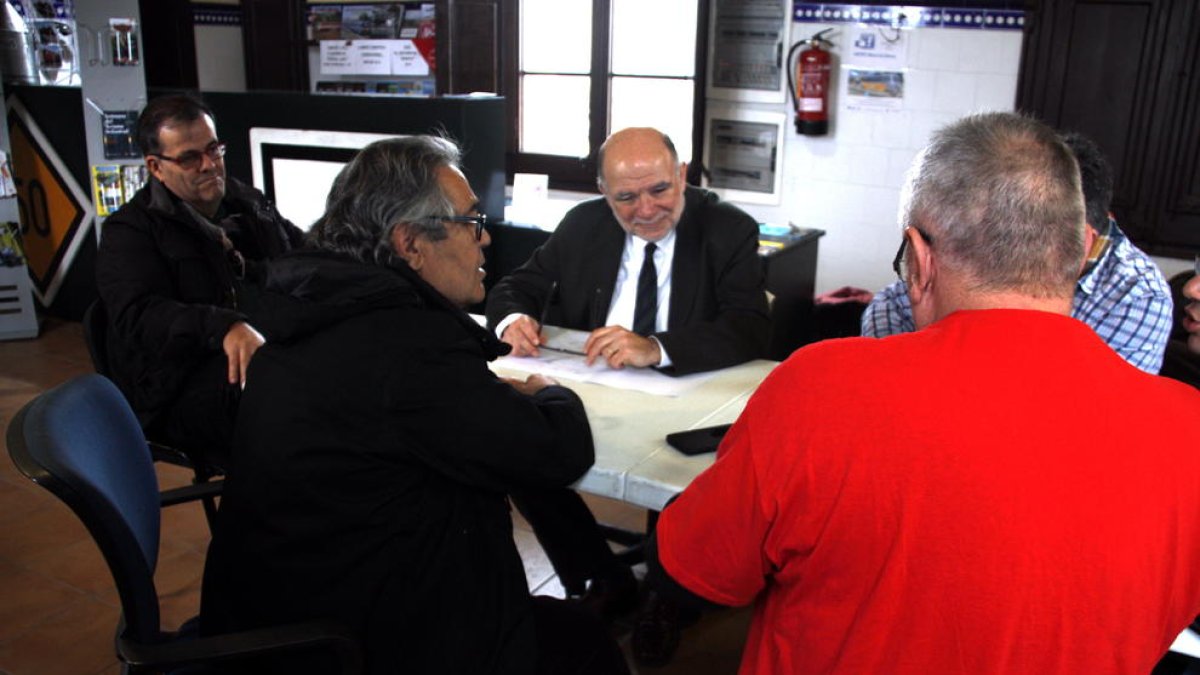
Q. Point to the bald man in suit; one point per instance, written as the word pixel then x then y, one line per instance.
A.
pixel 663 275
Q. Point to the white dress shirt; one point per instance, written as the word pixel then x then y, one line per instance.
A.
pixel 620 310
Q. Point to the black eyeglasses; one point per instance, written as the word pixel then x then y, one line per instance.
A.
pixel 193 159
pixel 898 261
pixel 478 221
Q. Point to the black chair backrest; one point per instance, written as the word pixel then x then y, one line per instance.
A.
pixel 95 335
pixel 81 441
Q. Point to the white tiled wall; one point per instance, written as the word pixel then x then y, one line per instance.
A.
pixel 848 183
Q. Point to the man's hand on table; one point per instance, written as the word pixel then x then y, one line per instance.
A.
pixel 530 385
pixel 621 347
pixel 523 335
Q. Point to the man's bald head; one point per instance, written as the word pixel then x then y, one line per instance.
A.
pixel 643 181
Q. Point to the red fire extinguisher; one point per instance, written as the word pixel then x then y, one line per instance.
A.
pixel 810 88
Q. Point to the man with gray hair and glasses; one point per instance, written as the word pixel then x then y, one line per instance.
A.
pixel 374 449
pixel 987 517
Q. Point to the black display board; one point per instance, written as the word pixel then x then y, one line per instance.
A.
pixel 477 124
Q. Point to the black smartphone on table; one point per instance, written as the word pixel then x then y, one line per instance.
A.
pixel 698 441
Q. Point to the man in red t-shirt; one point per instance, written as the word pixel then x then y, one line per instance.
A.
pixel 1013 502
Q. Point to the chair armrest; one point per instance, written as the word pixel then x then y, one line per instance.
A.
pixel 259 642
pixel 191 493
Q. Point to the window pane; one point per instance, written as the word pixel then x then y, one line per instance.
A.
pixel 656 37
pixel 554 114
pixel 556 36
pixel 665 105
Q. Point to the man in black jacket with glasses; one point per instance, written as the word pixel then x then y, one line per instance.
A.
pixel 176 271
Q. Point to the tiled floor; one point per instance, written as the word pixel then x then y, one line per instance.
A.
pixel 58 605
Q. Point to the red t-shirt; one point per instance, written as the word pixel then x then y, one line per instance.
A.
pixel 997 493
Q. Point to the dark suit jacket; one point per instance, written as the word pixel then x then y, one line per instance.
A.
pixel 718 314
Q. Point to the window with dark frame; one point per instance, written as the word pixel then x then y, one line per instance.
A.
pixel 575 71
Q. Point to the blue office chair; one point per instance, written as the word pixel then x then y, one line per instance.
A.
pixel 95 336
pixel 82 442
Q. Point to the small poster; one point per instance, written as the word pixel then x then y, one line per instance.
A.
pixel 874 89
pixel 119 134
pixel 106 188
pixel 877 47
pixel 324 23
pixel 419 22
pixel 357 57
pixel 372 21
pixel 408 60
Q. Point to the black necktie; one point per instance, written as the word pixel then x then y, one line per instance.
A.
pixel 646 307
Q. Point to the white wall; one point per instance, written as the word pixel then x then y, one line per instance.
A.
pixel 848 183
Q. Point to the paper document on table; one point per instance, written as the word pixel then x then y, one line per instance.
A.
pixel 565 366
pixel 564 339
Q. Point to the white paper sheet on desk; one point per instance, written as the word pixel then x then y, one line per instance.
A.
pixel 564 366
pixel 564 339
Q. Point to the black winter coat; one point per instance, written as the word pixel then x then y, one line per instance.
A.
pixel 372 457
pixel 170 290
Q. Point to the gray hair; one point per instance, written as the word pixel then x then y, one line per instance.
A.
pixel 388 183
pixel 998 194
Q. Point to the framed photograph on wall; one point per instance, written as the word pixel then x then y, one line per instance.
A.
pixel 743 152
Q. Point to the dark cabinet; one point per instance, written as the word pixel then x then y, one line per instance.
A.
pixel 1123 72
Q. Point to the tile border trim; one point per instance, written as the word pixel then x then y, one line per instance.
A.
pixel 909 16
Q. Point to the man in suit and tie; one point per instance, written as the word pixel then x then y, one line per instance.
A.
pixel 703 307
pixel 665 276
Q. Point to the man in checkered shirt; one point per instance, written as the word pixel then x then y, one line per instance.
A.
pixel 1121 293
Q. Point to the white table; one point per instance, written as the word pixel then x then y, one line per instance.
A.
pixel 1188 643
pixel 633 461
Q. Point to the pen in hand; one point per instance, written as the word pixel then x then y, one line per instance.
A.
pixel 546 307
pixel 598 312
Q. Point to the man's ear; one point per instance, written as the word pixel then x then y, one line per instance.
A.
pixel 921 269
pixel 1089 239
pixel 406 245
pixel 154 166
pixel 683 173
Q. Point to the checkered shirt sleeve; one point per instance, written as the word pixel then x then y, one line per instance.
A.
pixel 889 312
pixel 1126 300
